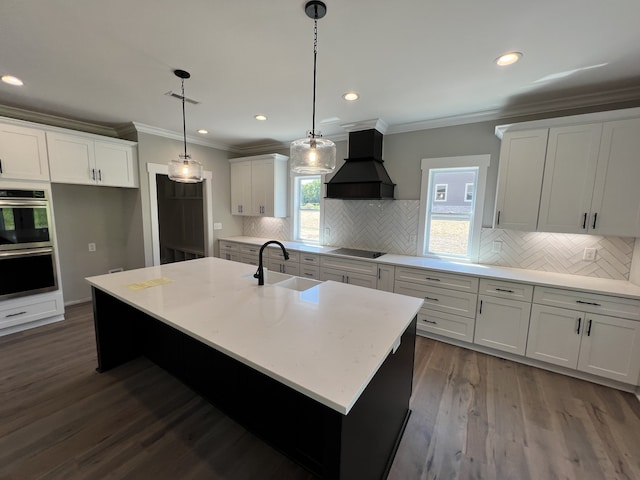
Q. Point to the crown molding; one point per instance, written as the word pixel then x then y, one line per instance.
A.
pixel 161 132
pixel 55 121
pixel 376 123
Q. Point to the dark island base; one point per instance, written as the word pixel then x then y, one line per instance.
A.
pixel 360 445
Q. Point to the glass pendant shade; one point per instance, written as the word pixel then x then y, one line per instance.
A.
pixel 313 155
pixel 185 170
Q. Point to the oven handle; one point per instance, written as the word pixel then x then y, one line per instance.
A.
pixel 27 203
pixel 25 253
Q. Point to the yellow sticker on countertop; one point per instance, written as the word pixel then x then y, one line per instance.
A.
pixel 149 283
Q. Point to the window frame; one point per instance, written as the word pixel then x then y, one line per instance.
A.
pixel 466 187
pixel 435 193
pixel 469 161
pixel 295 218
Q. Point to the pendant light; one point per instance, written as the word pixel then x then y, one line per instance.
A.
pixel 184 170
pixel 314 154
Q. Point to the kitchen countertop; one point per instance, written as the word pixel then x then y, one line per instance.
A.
pixel 619 288
pixel 326 342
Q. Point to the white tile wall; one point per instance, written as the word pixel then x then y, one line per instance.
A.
pixel 392 226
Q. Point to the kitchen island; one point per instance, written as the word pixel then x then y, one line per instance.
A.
pixel 324 374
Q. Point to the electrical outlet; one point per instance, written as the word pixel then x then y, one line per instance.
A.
pixel 412 239
pixel 92 247
pixel 496 246
pixel 589 254
pixel 217 225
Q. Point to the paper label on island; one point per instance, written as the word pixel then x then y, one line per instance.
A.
pixel 149 283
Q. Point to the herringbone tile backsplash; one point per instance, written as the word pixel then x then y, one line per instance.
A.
pixel 392 226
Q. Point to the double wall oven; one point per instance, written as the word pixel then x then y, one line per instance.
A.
pixel 27 262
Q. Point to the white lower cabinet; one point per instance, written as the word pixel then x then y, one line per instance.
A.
pixel 386 277
pixel 445 324
pixel 283 266
pixel 502 324
pixel 597 344
pixel 354 272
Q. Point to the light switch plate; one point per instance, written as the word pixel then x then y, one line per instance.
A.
pixel 217 225
pixel 496 246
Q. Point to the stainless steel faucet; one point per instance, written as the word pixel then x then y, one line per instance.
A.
pixel 260 272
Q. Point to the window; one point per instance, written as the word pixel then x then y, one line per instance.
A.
pixel 451 205
pixel 441 192
pixel 468 192
pixel 306 208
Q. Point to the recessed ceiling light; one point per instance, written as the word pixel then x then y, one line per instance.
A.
pixel 508 58
pixel 350 96
pixel 260 117
pixel 203 131
pixel 11 80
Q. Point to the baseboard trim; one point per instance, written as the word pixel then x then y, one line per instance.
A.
pixel 76 302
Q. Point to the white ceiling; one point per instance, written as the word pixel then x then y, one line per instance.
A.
pixel 111 62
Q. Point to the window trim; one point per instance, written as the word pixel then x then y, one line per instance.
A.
pixel 482 163
pixel 293 234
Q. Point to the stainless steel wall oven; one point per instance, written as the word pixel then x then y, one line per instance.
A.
pixel 27 261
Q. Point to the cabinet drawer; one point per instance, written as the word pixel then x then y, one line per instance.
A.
pixel 353 266
pixel 445 324
pixel 284 267
pixel 441 299
pixel 437 279
pixel 309 271
pixel 250 259
pixel 250 249
pixel 499 288
pixel 229 247
pixel 276 253
pixel 588 302
pixel 17 314
pixel 353 278
pixel 309 258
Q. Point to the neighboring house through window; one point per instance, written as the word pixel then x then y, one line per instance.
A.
pixel 451 205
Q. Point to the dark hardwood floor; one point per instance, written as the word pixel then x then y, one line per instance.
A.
pixel 474 417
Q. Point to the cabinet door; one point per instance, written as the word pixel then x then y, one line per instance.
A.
pixel 241 188
pixel 555 334
pixel 615 209
pixel 569 175
pixel 502 324
pixel 611 348
pixel 386 275
pixel 23 153
pixel 262 187
pixel 71 159
pixel 522 156
pixel 115 165
pixel 332 274
pixel 361 280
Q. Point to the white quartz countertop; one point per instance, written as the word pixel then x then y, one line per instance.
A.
pixel 619 288
pixel 326 342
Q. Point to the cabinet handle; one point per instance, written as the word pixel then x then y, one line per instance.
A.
pixel 504 290
pixel 432 299
pixel 584 221
pixel 93 173
pixel 347 278
pixel 308 259
pixel 498 221
pixel 99 175
pixel 14 314
pixel 589 329
pixel 432 279
pixel 579 322
pixel 308 274
pixel 480 307
pixel 433 322
pixel 342 278
pixel 0 165
pixel 588 303
pixel 378 273
pixel 595 218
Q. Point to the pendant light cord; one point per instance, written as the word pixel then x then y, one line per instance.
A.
pixel 315 56
pixel 184 126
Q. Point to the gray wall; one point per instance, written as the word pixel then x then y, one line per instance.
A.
pixel 104 216
pixel 155 149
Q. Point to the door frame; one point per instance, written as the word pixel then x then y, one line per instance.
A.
pixel 154 169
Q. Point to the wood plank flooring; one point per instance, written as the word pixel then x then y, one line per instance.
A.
pixel 474 417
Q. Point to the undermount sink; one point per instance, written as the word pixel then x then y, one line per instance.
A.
pixel 284 280
pixel 299 284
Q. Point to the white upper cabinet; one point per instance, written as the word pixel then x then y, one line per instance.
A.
pixel 84 160
pixel 23 153
pixel 615 208
pixel 522 156
pixel 259 186
pixel 569 175
pixel 584 181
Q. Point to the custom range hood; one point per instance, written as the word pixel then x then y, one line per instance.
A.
pixel 363 176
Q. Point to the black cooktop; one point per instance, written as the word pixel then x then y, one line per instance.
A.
pixel 356 253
